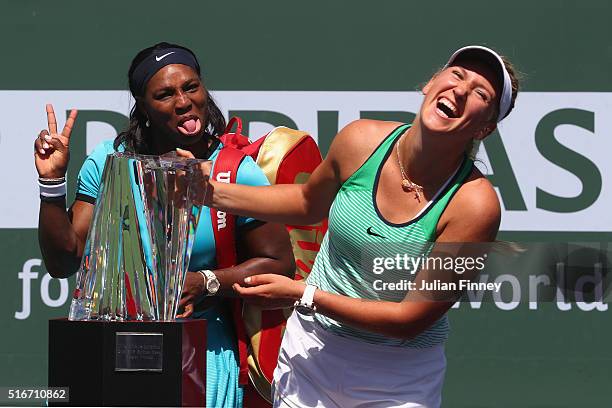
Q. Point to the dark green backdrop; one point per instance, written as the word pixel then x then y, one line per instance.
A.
pixel 520 358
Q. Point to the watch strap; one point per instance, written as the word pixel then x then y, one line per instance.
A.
pixel 203 276
pixel 308 296
pixel 209 274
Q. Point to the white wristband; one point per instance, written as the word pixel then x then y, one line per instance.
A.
pixel 52 190
pixel 305 305
pixel 308 295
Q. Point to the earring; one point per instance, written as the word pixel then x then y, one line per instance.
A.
pixel 147 123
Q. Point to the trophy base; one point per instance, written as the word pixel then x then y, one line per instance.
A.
pixel 129 363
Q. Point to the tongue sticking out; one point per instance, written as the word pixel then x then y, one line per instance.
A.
pixel 190 126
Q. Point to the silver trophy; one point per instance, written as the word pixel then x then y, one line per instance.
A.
pixel 140 239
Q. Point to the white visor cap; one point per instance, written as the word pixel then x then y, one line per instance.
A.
pixel 506 96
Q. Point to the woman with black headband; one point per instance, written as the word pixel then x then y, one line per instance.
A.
pixel 390 190
pixel 173 110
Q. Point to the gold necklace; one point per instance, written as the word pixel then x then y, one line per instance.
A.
pixel 407 184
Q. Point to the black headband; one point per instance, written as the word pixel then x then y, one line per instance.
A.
pixel 156 61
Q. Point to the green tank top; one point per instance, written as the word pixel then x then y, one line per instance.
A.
pixel 358 233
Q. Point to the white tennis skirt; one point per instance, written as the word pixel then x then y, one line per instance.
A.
pixel 317 368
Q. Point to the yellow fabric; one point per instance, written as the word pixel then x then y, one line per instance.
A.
pixel 273 150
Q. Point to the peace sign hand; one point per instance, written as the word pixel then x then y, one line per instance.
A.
pixel 51 153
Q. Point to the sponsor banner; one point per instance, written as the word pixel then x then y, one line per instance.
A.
pixel 547 161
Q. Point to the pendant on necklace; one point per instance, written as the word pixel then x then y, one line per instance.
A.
pixel 417 195
pixel 407 185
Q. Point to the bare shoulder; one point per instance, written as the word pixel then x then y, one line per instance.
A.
pixel 478 196
pixel 355 143
pixel 474 213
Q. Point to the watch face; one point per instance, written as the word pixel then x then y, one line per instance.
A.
pixel 212 286
pixel 305 310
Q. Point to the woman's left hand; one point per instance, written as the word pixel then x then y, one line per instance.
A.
pixel 270 291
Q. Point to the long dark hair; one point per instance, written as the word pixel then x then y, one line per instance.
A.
pixel 136 138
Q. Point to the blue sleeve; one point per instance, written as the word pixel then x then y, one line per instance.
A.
pixel 250 174
pixel 90 175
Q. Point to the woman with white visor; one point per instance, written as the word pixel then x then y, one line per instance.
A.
pixel 349 344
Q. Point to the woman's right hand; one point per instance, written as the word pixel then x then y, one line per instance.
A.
pixel 51 153
pixel 202 194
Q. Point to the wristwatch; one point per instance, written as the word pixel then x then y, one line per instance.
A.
pixel 212 283
pixel 306 305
